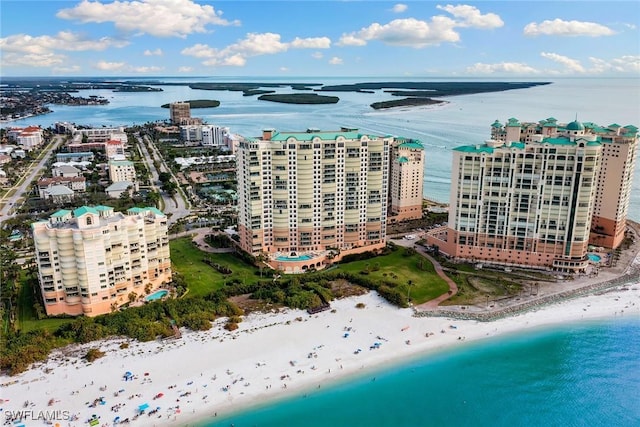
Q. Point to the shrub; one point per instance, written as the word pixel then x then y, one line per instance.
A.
pixel 93 354
pixel 231 326
pixel 124 345
pixel 360 305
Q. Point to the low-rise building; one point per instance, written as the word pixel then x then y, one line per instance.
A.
pixel 77 184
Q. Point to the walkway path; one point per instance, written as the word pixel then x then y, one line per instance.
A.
pixel 198 236
pixel 453 288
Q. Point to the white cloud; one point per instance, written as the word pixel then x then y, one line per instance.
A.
pixel 405 32
pixel 236 60
pixel 157 52
pixel 254 44
pixel 627 63
pixel 558 27
pixel 571 65
pixel 145 70
pixel 351 40
pixel 317 55
pixel 503 67
pixel 63 40
pixel 69 69
pixel 200 51
pixel 161 18
pixel 124 67
pixel 12 59
pixel 399 8
pixel 284 69
pixel 335 61
pixel 185 69
pixel 471 17
pixel 311 43
pixel 110 66
pixel 624 64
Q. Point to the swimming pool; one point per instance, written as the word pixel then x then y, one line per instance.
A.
pixel 594 257
pixel 157 295
pixel 293 258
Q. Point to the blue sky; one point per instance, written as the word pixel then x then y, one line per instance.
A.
pixel 319 38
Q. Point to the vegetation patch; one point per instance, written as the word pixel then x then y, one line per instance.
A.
pixel 93 354
pixel 199 103
pixel 300 98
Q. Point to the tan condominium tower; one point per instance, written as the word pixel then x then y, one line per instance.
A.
pixel 92 260
pixel 524 203
pixel 613 185
pixel 179 112
pixel 406 182
pixel 309 197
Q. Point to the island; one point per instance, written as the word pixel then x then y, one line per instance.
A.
pixel 421 93
pixel 406 102
pixel 252 92
pixel 199 103
pixel 300 98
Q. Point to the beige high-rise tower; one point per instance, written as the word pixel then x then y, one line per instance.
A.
pixel 406 180
pixel 306 198
pixel 91 259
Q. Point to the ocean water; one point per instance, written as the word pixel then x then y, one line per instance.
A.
pixel 585 374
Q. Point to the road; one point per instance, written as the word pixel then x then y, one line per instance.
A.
pixel 11 203
pixel 175 207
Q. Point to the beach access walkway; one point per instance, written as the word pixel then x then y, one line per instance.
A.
pixel 453 288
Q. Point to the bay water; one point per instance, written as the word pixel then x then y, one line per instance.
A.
pixel 582 374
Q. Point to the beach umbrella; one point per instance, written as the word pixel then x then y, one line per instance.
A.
pixel 143 407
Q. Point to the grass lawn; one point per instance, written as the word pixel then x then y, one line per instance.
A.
pixel 400 269
pixel 27 320
pixel 201 278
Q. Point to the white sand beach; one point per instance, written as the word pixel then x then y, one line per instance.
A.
pixel 270 356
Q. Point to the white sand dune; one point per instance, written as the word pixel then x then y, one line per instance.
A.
pixel 270 356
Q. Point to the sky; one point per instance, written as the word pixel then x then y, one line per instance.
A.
pixel 319 38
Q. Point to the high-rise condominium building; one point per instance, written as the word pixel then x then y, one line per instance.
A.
pixel 179 112
pixel 306 197
pixel 407 175
pixel 527 203
pixel 613 186
pixel 92 260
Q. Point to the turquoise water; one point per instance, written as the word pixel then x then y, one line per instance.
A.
pixel 594 257
pixel 585 374
pixel 156 295
pixel 294 258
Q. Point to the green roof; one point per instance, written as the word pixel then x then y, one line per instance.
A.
pixel 84 210
pixel 575 125
pixel 411 144
pixel 513 122
pixel 61 212
pixel 614 126
pixel 137 210
pixel 156 211
pixel 121 162
pixel 103 208
pixel 496 124
pixel 403 159
pixel 308 136
pixel 593 144
pixel 631 128
pixel 484 148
